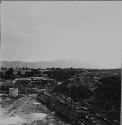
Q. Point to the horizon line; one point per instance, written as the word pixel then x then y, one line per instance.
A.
pixel 97 67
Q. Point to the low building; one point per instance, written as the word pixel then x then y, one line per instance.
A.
pixel 13 92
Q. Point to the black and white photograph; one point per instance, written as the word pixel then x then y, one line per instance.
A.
pixel 60 62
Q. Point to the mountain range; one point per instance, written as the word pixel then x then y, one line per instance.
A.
pixel 48 64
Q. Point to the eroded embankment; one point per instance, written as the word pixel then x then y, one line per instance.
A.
pixel 70 111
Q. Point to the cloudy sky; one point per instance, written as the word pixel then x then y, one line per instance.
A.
pixel 76 30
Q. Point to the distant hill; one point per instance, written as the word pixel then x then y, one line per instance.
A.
pixel 48 64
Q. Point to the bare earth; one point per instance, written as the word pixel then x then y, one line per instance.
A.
pixel 26 110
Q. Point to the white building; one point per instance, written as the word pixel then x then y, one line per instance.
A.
pixel 13 92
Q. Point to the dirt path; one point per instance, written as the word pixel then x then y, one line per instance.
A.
pixel 26 111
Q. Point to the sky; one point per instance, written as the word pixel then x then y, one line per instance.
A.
pixel 88 31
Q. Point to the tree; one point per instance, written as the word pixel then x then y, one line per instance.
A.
pixel 109 92
pixel 9 73
pixel 2 76
pixel 77 90
pixel 19 74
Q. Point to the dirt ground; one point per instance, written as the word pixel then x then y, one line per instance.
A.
pixel 26 110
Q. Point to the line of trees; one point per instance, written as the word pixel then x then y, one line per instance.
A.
pixel 9 73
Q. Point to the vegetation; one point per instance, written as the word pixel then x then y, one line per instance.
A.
pixel 109 95
pixel 99 90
